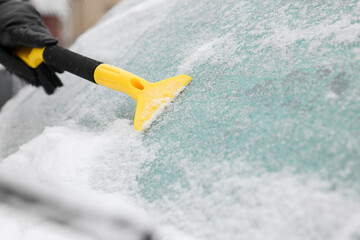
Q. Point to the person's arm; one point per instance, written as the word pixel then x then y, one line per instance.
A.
pixel 22 25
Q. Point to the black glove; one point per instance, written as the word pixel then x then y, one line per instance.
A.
pixel 22 25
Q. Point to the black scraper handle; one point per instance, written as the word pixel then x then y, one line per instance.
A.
pixel 69 61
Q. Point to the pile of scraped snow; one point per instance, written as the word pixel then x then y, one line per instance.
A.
pixel 55 169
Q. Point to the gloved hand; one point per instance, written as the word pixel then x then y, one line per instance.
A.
pixel 22 25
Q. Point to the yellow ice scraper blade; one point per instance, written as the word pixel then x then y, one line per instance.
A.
pixel 151 98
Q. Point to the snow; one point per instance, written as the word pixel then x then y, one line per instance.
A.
pixel 264 143
pixel 199 55
pixel 68 154
pixel 72 152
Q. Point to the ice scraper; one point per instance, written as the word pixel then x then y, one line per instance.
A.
pixel 151 98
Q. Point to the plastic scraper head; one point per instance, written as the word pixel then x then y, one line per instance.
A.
pixel 155 98
pixel 152 98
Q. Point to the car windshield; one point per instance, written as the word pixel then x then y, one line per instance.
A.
pixel 263 143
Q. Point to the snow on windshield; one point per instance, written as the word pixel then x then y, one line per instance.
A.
pixel 263 143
